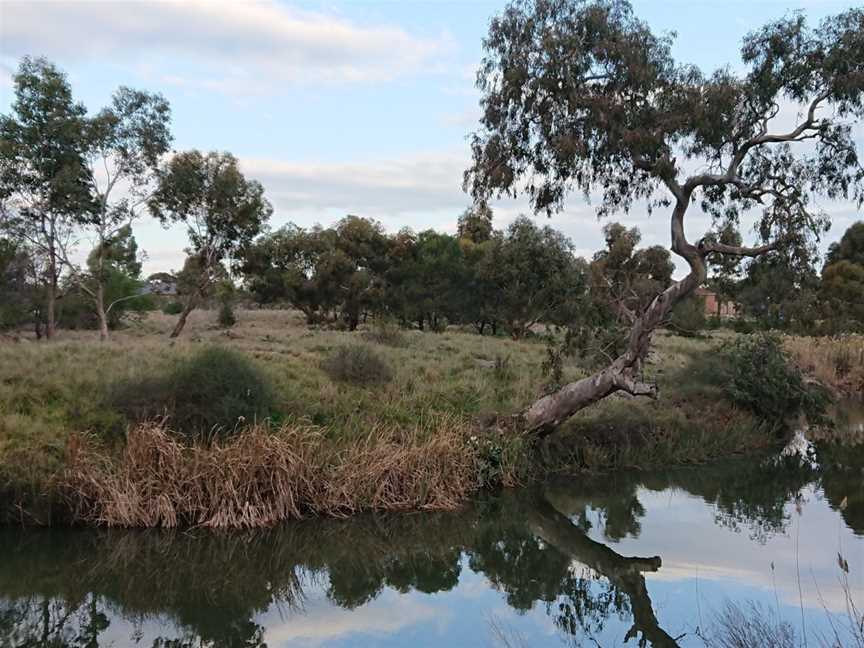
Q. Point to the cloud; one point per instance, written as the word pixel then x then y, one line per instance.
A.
pixel 242 46
pixel 321 622
pixel 424 190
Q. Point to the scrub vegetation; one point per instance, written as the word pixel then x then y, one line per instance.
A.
pixel 272 420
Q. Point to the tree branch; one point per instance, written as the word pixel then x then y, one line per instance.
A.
pixel 708 247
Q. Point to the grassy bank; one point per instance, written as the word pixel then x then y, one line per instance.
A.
pixel 414 431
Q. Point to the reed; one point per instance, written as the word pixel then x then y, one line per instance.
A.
pixel 264 476
pixel 836 362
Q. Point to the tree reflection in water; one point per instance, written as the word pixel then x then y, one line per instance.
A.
pixel 64 588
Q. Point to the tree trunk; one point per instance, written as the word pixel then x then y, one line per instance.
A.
pixel 188 308
pixel 623 373
pixel 50 304
pixel 99 299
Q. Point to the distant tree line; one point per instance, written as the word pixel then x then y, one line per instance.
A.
pixel 68 176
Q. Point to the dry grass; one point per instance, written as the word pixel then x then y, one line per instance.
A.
pixel 836 362
pixel 263 477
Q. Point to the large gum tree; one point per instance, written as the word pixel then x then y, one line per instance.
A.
pixel 582 96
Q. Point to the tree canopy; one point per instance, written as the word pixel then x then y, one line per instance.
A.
pixel 581 95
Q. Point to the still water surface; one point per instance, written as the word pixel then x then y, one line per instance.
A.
pixel 631 559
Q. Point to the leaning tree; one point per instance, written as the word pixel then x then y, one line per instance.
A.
pixel 222 210
pixel 583 96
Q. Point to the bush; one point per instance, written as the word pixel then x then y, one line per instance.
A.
pixel 762 379
pixel 172 308
pixel 226 317
pixel 358 364
pixel 688 316
pixel 386 331
pixel 206 395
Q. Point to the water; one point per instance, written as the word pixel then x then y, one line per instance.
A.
pixel 603 561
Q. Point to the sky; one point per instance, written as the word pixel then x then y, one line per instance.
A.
pixel 341 107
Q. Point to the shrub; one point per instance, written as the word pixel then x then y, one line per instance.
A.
pixel 688 316
pixel 226 317
pixel 172 308
pixel 503 369
pixel 358 364
pixel 386 331
pixel 761 378
pixel 227 294
pixel 204 396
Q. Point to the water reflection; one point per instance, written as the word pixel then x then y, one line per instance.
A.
pixel 561 551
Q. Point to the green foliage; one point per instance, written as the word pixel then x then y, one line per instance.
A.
pixel 475 224
pixel 841 293
pixel 387 332
pixel 44 141
pixel 357 364
pixel 320 271
pixel 762 379
pixel 534 275
pixel 688 316
pixel 625 279
pixel 172 308
pixel 226 316
pixel 19 296
pixel 226 293
pixel 850 247
pixel 222 210
pixel 206 395
pixel 779 291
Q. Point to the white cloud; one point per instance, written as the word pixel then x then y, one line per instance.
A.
pixel 424 190
pixel 244 46
pixel 321 622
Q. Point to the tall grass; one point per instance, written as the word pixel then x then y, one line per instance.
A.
pixel 837 362
pixel 263 477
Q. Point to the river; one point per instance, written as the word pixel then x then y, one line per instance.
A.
pixel 650 557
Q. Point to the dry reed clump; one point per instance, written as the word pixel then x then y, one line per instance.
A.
pixel 263 477
pixel 837 362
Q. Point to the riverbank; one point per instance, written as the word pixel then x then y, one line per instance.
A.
pixel 414 427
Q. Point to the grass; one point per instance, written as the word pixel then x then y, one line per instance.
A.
pixel 836 362
pixel 445 388
pixel 266 476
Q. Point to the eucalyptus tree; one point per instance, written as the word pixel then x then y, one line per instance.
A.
pixel 44 185
pixel 624 278
pixel 841 291
pixel 125 143
pixel 17 291
pixel 222 210
pixel 475 224
pixel 535 276
pixel 583 96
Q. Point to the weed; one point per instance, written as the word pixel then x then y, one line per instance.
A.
pixel 357 364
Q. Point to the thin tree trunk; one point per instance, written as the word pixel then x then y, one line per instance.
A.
pixel 50 304
pixel 99 299
pixel 188 308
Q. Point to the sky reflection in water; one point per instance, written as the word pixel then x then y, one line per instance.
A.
pixel 615 560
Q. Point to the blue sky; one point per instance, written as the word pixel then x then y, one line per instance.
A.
pixel 337 107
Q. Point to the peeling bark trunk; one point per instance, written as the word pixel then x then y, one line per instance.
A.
pixel 623 373
pixel 99 299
